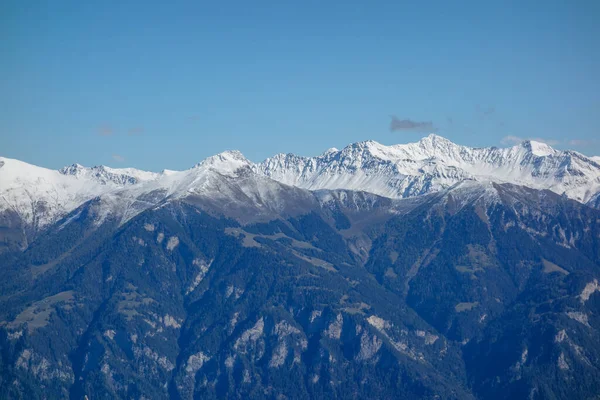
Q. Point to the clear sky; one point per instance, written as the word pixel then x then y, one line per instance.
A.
pixel 157 85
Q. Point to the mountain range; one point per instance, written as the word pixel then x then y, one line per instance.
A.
pixel 40 196
pixel 425 270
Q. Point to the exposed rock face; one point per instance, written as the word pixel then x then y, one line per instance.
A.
pixel 334 330
pixel 588 290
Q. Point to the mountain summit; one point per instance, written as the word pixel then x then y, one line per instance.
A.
pixel 41 196
pixel 435 163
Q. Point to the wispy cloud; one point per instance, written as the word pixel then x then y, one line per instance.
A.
pixel 551 142
pixel 398 124
pixel 511 140
pixel 506 140
pixel 118 158
pixel 582 142
pixel 135 131
pixel 105 130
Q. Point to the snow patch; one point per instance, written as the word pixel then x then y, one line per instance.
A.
pixel 540 149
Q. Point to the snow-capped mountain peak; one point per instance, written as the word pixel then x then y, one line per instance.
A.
pixel 73 169
pixel 539 149
pixel 434 163
pixel 225 162
pixel 329 151
pixel 40 196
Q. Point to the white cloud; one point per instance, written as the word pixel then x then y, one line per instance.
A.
pixel 512 140
pixel 582 142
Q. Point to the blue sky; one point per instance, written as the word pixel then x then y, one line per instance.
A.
pixel 158 85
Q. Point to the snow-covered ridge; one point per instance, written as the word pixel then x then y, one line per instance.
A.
pixel 106 175
pixel 435 163
pixel 41 196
